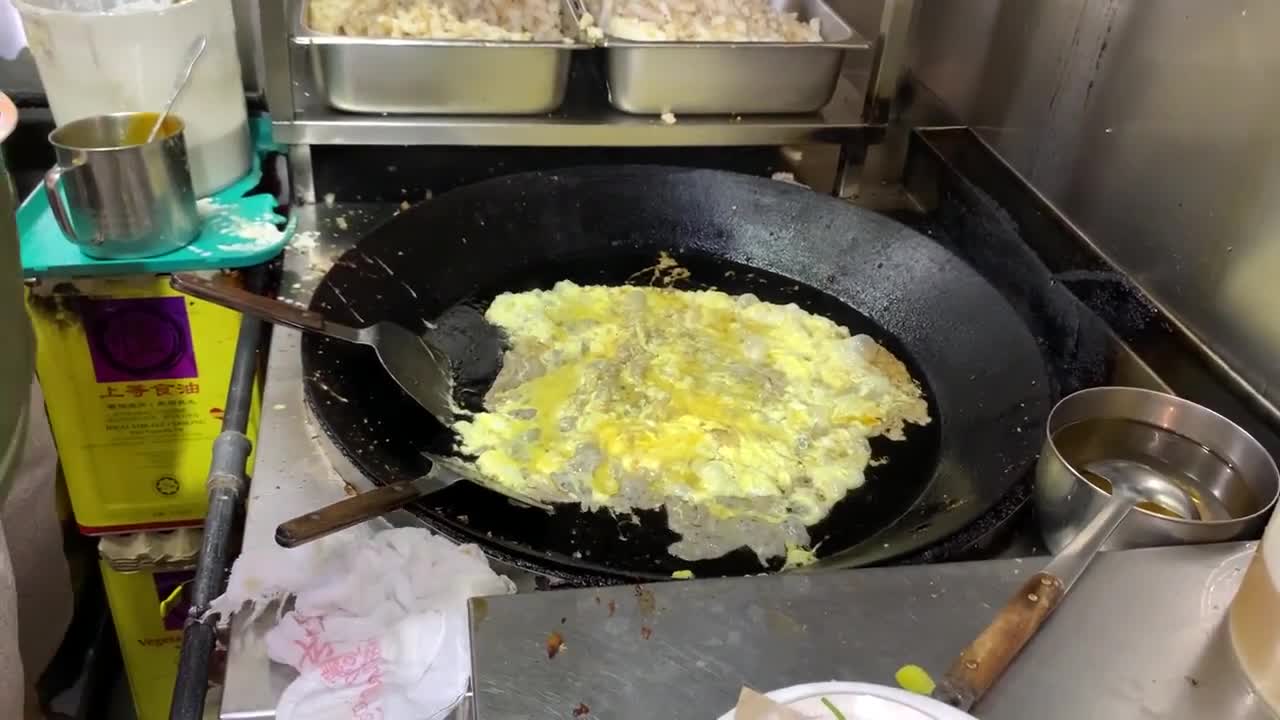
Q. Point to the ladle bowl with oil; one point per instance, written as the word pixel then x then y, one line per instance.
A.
pixel 1205 479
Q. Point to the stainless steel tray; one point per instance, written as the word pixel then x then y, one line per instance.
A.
pixel 444 77
pixel 730 77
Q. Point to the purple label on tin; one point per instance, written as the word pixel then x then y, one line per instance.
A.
pixel 175 614
pixel 139 339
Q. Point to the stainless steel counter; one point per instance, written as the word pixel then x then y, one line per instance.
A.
pixel 591 124
pixel 291 467
pixel 1140 635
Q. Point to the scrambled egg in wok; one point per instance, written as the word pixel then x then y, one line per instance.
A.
pixel 747 420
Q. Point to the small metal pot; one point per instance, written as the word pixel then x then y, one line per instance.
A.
pixel 124 197
pixel 1065 501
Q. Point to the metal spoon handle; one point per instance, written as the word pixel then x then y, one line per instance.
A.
pixel 259 306
pixel 193 54
pixel 986 658
pixel 1070 564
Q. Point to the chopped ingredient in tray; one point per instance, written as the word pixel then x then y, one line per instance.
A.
pixel 446 19
pixel 704 20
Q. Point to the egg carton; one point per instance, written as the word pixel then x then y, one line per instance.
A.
pixel 150 551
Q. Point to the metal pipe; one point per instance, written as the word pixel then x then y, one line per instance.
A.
pixel 193 671
pixel 227 482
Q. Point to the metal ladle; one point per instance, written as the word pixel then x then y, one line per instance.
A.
pixel 980 664
pixel 193 54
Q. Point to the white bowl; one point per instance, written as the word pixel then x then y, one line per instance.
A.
pixel 861 701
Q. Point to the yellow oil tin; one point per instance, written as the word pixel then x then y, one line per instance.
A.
pixel 135 376
pixel 149 602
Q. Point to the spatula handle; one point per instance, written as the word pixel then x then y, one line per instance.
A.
pixel 986 658
pixel 345 513
pixel 260 306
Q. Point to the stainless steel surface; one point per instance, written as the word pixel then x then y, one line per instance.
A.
pixel 684 649
pixel 302 175
pixel 249 44
pixel 277 63
pixel 890 65
pixel 865 17
pixel 591 124
pixel 197 49
pixel 1151 126
pixel 891 44
pixel 732 77
pixel 453 77
pixel 1065 501
pixel 122 199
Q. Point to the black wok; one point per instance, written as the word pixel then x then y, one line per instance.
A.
pixel 979 365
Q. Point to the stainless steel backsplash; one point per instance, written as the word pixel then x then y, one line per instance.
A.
pixel 1154 126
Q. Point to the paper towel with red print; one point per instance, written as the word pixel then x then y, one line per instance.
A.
pixel 380 631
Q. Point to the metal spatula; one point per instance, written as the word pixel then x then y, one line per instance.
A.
pixel 381 500
pixel 462 345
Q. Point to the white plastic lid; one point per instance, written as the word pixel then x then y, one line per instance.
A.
pixel 861 701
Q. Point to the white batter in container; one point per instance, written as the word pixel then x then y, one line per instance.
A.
pixel 106 56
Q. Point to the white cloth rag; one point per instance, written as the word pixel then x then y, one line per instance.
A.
pixel 379 625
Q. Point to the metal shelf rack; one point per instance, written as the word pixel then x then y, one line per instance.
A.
pixel 857 115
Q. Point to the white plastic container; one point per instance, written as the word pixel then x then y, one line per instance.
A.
pixel 1255 618
pixel 106 56
pixel 861 701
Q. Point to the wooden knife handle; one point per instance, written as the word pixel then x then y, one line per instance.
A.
pixel 237 298
pixel 345 513
pixel 986 658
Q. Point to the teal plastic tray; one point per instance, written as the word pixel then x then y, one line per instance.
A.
pixel 237 230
